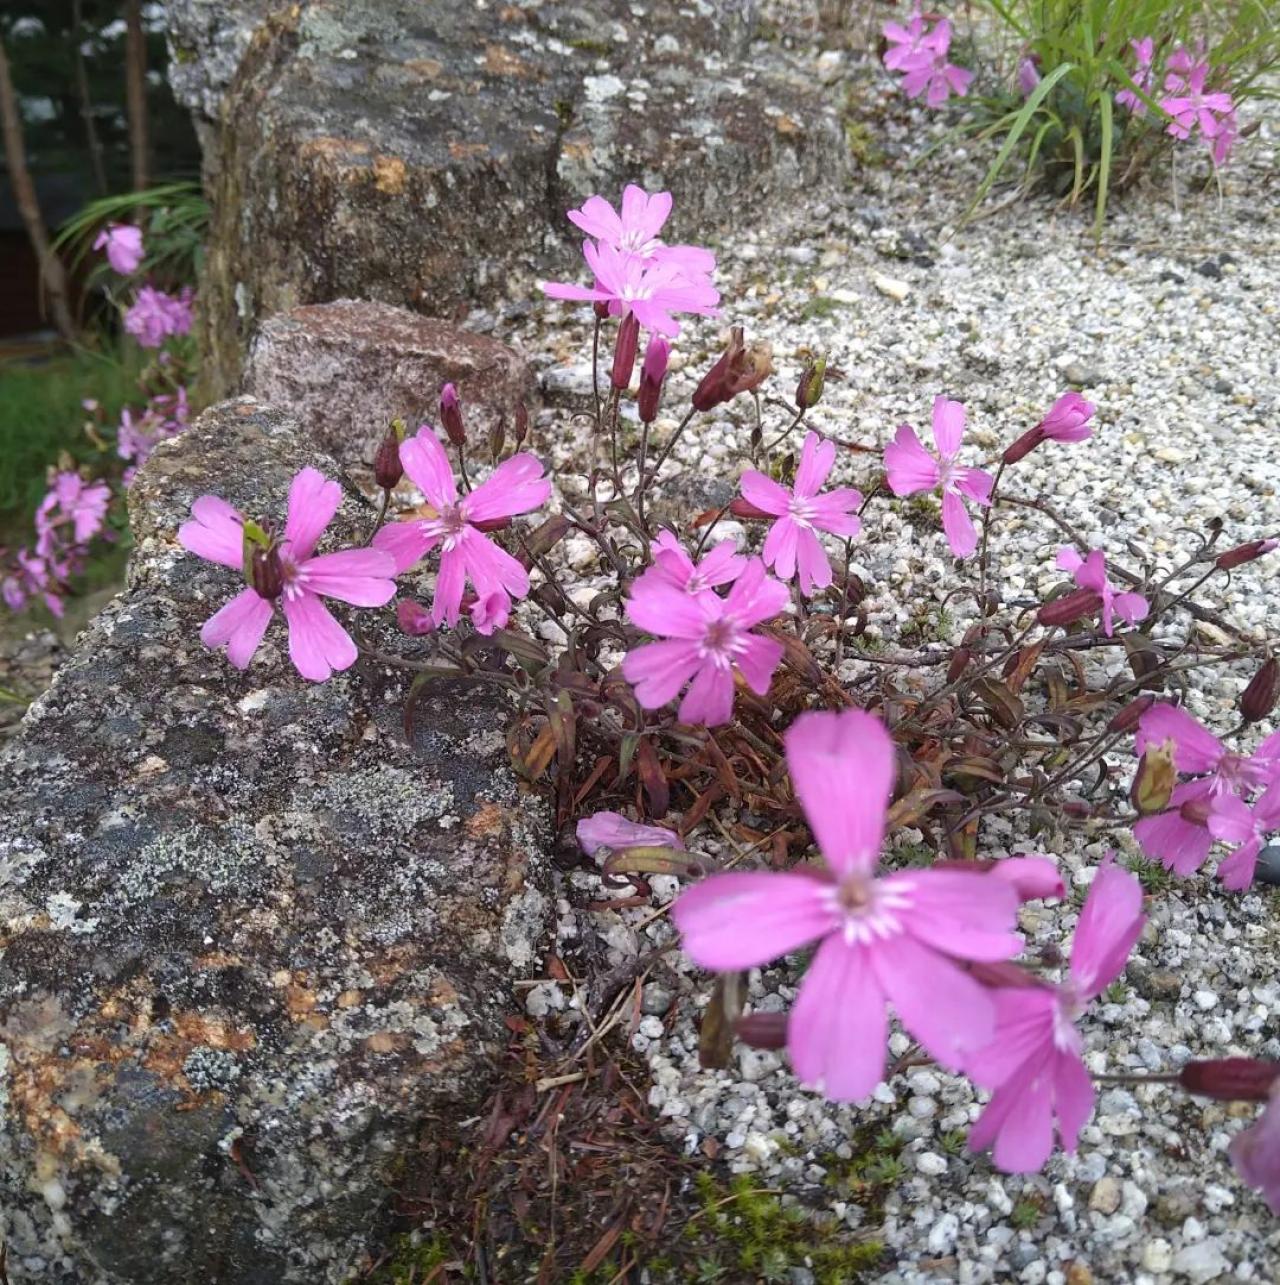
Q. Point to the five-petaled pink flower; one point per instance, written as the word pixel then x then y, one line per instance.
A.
pixel 289 572
pixel 123 245
pixel 1180 842
pixel 72 512
pixel 1232 821
pixel 1091 573
pixel 155 316
pixel 707 639
pixel 613 830
pixel 1033 1062
pixel 1191 107
pixel 892 938
pixel 937 80
pixel 721 565
pixel 516 486
pixel 1143 76
pixel 911 468
pixel 653 290
pixel 635 230
pixel 802 512
pixel 1256 1152
pixel 1067 420
pixel 914 44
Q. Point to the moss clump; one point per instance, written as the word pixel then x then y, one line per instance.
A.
pixel 744 1231
pixel 820 307
pixel 415 1261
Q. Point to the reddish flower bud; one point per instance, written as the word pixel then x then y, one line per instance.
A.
pixel 266 575
pixel 522 424
pixel 741 368
pixel 1154 780
pixel 1243 553
pixel 1128 718
pixel 451 415
pixel 960 659
pixel 387 469
pixel 624 352
pixel 497 437
pixel 743 508
pixel 1259 698
pixel 1070 607
pixel 762 1030
pixel 1232 1079
pixel 1196 811
pixel 812 382
pixel 413 618
pixel 652 373
pixel 601 309
pixel 1024 445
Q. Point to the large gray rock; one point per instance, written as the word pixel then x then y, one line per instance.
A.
pixel 346 369
pixel 251 937
pixel 424 154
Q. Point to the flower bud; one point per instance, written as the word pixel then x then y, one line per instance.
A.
pixel 762 1030
pixel 601 309
pixel 741 507
pixel 522 424
pixel 1231 1079
pixel 1259 698
pixel 1024 445
pixel 812 382
pixel 497 437
pixel 261 565
pixel 413 618
pixel 740 368
pixel 1070 607
pixel 624 352
pixel 652 373
pixel 1196 811
pixel 1243 553
pixel 960 659
pixel 1154 780
pixel 387 469
pixel 451 415
pixel 1127 719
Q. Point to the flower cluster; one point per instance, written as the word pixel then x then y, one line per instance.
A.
pixel 1186 100
pixel 919 52
pixel 156 316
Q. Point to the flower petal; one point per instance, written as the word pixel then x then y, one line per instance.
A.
pixel 426 463
pixel 709 700
pixel 956 522
pixel 960 912
pixel 1107 929
pixel 240 626
pixel 362 577
pixel 659 670
pixel 908 466
pixel 765 493
pixel 948 425
pixel 318 645
pixel 757 660
pixel 216 532
pixel 313 500
pixel 817 459
pixel 1197 750
pixel 405 542
pixel 516 486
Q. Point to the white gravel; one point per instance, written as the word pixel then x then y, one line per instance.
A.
pixel 1171 327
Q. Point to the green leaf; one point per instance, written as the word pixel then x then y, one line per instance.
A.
pixel 1104 165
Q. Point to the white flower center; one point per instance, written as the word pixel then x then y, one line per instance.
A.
pixel 869 910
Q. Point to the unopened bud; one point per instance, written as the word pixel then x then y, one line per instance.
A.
pixel 1024 445
pixel 1127 719
pixel 1259 698
pixel 743 508
pixel 652 373
pixel 809 389
pixel 762 1030
pixel 497 437
pixel 624 352
pixel 601 309
pixel 855 589
pixel 1154 780
pixel 1243 553
pixel 262 569
pixel 522 424
pixel 451 415
pixel 387 469
pixel 740 368
pixel 1196 811
pixel 1231 1079
pixel 1070 607
pixel 413 618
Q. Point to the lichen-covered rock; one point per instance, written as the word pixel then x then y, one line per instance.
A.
pixel 346 369
pixel 423 154
pixel 251 937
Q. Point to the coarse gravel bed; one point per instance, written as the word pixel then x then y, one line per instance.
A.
pixel 1170 326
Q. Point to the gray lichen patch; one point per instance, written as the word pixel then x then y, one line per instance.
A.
pixel 253 937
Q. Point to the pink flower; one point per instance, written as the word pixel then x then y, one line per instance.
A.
pixel 1067 420
pixel 935 77
pixel 288 571
pixel 709 638
pixel 802 512
pixel 613 830
pixel 914 45
pixel 1091 573
pixel 1028 75
pixel 1143 52
pixel 515 486
pixel 1032 878
pixel 1192 107
pixel 73 503
pixel 635 230
pixel 1256 1152
pixel 652 290
pixel 1179 844
pixel 911 468
pixel 491 611
pixel 155 316
pixel 413 618
pixel 1232 821
pixel 124 247
pixel 1034 1063
pixel 30 577
pixel 893 938
pixel 722 565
